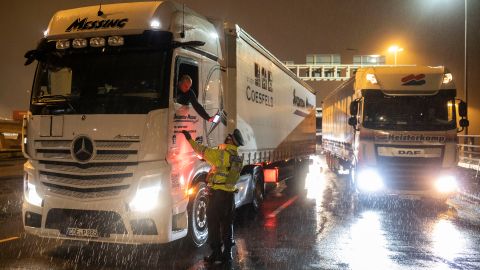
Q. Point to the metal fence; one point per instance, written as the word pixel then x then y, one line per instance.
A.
pixel 469 152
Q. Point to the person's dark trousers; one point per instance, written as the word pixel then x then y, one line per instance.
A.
pixel 220 210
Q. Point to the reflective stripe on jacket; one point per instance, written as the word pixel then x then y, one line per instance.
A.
pixel 226 165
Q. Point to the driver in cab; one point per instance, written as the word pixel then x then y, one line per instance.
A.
pixel 186 96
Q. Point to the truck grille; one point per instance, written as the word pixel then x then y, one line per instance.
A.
pixel 84 193
pixel 107 174
pixel 105 150
pixel 92 168
pixel 84 181
pixel 409 173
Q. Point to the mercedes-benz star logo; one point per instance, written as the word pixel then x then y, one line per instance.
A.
pixel 82 149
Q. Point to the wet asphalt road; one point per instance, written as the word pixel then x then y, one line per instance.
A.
pixel 314 228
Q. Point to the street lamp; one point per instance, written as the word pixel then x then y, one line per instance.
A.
pixel 395 49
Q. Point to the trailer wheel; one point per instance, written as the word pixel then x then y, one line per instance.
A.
pixel 197 212
pixel 258 189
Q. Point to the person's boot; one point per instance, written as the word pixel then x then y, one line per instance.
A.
pixel 227 255
pixel 216 256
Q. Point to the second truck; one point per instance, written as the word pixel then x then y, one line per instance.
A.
pixel 395 130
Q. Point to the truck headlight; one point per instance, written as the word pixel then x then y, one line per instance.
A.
pixel 145 199
pixel 31 194
pixel 446 184
pixel 369 180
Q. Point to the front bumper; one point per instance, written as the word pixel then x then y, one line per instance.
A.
pixel 420 184
pixel 111 218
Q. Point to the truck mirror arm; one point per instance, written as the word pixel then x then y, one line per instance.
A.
pixel 354 106
pixel 352 121
pixel 463 124
pixel 462 108
pixel 33 55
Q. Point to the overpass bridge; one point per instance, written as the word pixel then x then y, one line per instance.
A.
pixel 328 72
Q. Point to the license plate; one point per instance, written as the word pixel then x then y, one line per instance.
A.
pixel 411 197
pixel 78 232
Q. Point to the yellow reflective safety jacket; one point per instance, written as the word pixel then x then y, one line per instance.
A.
pixel 226 165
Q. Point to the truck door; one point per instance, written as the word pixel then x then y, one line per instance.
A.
pixel 185 117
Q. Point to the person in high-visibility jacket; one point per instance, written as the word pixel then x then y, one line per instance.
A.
pixel 226 166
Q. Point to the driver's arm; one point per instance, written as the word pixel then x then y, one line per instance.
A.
pixel 198 108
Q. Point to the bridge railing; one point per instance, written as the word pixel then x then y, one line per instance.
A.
pixel 327 72
pixel 469 151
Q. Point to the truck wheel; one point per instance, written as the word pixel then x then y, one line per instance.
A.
pixel 258 190
pixel 197 213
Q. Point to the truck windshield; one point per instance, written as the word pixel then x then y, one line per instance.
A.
pixel 99 82
pixel 384 112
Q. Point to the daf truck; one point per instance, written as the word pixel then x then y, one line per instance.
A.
pixel 395 130
pixel 106 158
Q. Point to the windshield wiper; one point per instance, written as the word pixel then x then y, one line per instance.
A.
pixel 55 99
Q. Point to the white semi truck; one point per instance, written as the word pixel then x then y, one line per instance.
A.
pixel 106 159
pixel 395 129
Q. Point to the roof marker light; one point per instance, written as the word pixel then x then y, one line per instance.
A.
pixel 371 78
pixel 155 24
pixel 62 44
pixel 214 35
pixel 447 77
pixel 115 41
pixel 97 42
pixel 79 43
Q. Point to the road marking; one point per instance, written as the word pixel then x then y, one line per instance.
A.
pixel 9 239
pixel 282 207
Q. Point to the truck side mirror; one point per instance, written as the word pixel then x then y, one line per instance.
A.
pixel 352 121
pixel 354 108
pixel 464 123
pixel 462 109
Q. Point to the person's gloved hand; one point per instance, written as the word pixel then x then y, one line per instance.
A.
pixel 187 135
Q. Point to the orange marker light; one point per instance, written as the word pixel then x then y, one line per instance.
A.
pixel 190 191
pixel 270 175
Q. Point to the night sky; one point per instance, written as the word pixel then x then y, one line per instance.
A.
pixel 430 31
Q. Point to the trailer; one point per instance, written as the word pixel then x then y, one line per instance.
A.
pixel 106 160
pixel 395 130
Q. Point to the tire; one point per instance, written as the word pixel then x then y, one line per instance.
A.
pixel 197 216
pixel 258 188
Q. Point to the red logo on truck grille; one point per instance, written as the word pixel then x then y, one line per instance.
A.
pixel 413 79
